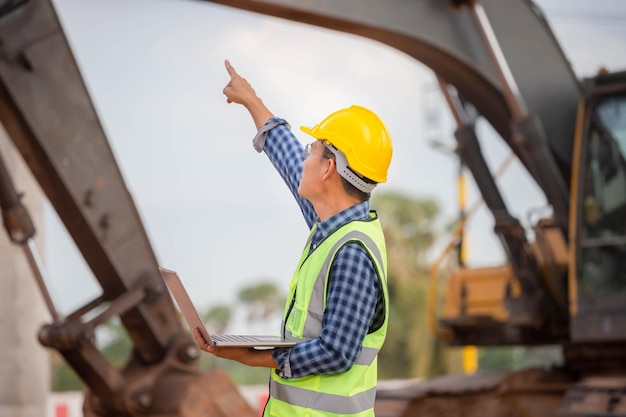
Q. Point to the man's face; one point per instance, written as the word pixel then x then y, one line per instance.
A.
pixel 314 167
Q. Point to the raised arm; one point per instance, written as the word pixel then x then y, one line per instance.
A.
pixel 239 91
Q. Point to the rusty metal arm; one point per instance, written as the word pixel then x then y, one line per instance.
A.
pixel 47 112
pixel 449 40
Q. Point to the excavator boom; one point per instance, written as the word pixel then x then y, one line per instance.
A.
pixel 449 41
pixel 47 112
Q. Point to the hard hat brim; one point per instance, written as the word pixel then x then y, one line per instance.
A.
pixel 310 131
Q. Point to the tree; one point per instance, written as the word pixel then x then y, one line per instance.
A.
pixel 218 318
pixel 114 342
pixel 261 300
pixel 63 377
pixel 410 350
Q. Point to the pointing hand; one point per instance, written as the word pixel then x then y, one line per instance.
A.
pixel 238 90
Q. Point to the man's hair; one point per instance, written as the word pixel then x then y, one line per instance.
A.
pixel 348 188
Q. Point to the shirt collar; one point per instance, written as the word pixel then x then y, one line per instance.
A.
pixel 359 211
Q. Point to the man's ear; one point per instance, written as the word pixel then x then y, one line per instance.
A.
pixel 330 167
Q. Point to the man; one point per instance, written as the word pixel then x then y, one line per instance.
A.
pixel 337 307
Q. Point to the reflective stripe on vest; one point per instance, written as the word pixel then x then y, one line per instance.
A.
pixel 313 323
pixel 330 403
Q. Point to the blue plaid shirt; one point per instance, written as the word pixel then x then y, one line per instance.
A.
pixel 354 296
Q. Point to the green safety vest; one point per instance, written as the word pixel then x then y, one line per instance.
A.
pixel 351 393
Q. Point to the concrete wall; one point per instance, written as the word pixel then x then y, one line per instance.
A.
pixel 24 363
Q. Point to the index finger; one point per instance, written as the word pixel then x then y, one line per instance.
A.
pixel 230 69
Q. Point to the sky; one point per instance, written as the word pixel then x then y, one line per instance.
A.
pixel 213 208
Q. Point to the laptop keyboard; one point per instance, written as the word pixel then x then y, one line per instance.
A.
pixel 234 338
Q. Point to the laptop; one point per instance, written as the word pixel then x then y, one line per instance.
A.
pixel 173 282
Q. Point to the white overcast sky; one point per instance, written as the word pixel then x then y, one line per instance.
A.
pixel 213 208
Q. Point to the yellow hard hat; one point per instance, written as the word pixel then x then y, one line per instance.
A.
pixel 361 136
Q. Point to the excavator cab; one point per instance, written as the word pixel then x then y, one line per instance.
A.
pixel 598 267
pixel 583 275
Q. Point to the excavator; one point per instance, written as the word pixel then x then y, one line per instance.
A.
pixel 563 283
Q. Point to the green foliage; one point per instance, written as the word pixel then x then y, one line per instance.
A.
pixel 410 350
pixel 261 300
pixel 263 292
pixel 497 358
pixel 217 318
pixel 504 358
pixel 408 225
pixel 63 377
pixel 116 346
pixel 395 358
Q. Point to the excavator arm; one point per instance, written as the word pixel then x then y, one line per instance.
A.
pixel 449 40
pixel 47 112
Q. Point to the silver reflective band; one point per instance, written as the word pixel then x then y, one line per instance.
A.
pixel 324 402
pixel 347 173
pixel 367 356
pixel 313 322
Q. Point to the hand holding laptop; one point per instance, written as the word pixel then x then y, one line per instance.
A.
pixel 246 355
pixel 192 317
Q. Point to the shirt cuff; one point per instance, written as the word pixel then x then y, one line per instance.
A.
pixel 281 356
pixel 259 139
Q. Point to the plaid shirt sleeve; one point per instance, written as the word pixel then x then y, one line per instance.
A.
pixel 350 305
pixel 285 152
